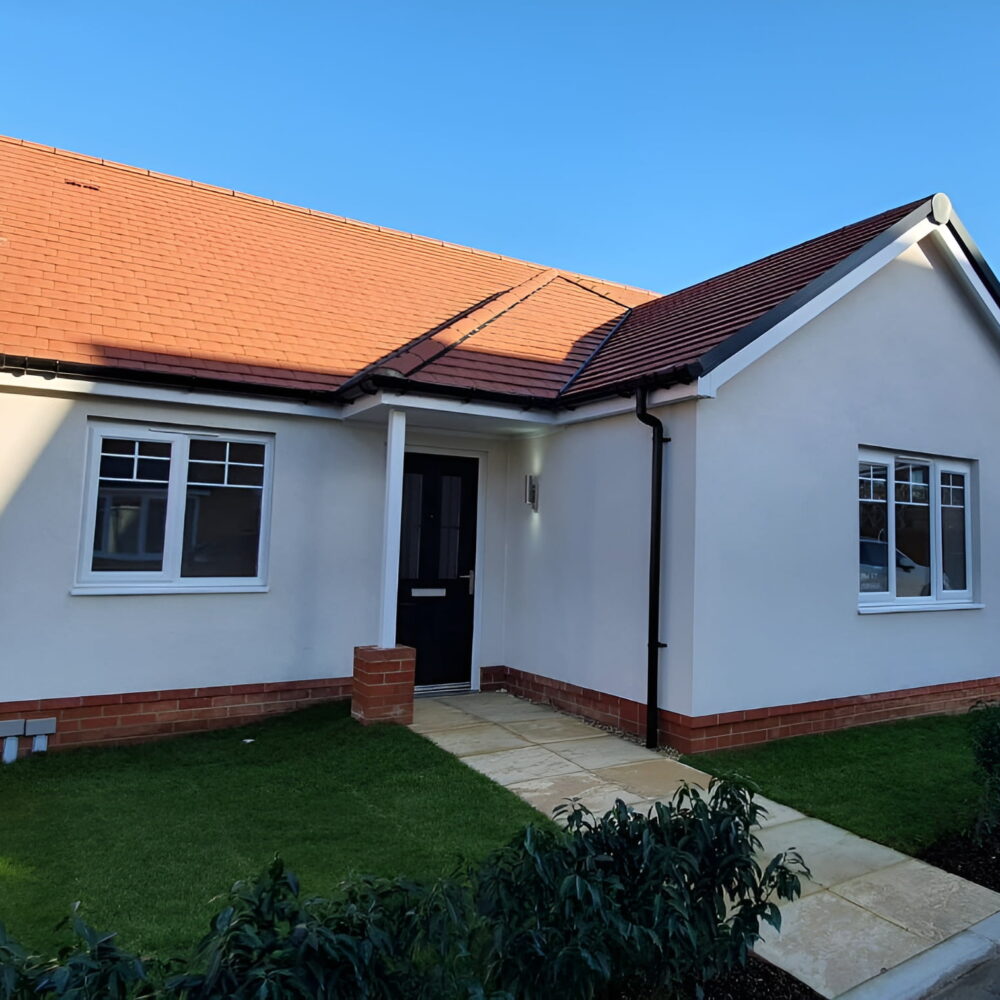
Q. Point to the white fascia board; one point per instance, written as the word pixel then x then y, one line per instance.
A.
pixel 62 386
pixel 438 404
pixel 626 404
pixel 541 419
pixel 967 273
pixel 731 367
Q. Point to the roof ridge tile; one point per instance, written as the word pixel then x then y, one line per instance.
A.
pixel 464 327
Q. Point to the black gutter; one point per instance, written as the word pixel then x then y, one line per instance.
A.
pixel 467 394
pixel 16 365
pixel 653 645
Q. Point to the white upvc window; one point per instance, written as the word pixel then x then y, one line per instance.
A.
pixel 174 509
pixel 915 530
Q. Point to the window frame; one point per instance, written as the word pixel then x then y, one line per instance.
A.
pixel 939 598
pixel 167 580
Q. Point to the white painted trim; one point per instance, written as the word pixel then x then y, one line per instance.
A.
pixel 63 386
pixel 97 590
pixel 167 580
pixel 965 271
pixel 891 609
pixel 731 367
pixel 479 567
pixel 395 446
pixel 882 601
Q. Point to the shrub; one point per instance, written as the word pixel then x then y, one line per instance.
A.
pixel 669 899
pixel 628 901
pixel 986 753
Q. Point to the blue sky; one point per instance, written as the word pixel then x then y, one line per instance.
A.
pixel 651 143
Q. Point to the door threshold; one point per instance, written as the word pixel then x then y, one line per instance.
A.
pixel 432 690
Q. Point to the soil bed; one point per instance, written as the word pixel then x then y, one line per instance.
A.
pixel 758 981
pixel 959 855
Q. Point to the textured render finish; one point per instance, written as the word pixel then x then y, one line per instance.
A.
pixel 326 511
pixel 789 428
pixel 875 926
pixel 382 687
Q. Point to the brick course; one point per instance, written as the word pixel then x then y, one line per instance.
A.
pixel 696 734
pixel 115 719
pixel 382 690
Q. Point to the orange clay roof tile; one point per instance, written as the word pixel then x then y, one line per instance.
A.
pixel 109 266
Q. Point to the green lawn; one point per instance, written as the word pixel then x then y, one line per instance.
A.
pixel 147 836
pixel 904 784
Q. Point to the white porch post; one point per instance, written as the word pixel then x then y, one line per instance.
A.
pixel 394 451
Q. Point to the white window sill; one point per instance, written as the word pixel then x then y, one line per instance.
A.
pixel 891 609
pixel 103 589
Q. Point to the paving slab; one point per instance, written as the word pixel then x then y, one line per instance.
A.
pixel 547 793
pixel 498 707
pixel 555 729
pixel 925 900
pixel 653 779
pixel 483 737
pixel 776 812
pixel 605 751
pixel 509 766
pixel 431 714
pixel 832 854
pixel 833 945
pixel 873 925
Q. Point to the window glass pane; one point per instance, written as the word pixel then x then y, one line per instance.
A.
pixel 913 530
pixel 221 532
pixel 156 470
pixel 206 472
pixel 253 453
pixel 213 451
pixel 131 507
pixel 451 516
pixel 409 549
pixel 113 467
pixel 874 523
pixel 953 531
pixel 221 522
pixel 246 475
pixel 154 449
pixel 114 446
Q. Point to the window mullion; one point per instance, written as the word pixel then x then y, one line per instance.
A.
pixel 176 504
pixel 890 476
pixel 937 526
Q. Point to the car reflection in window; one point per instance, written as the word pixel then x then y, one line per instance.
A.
pixel 912 579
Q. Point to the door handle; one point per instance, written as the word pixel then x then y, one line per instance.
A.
pixel 471 577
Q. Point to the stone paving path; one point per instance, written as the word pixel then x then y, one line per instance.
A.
pixel 873 923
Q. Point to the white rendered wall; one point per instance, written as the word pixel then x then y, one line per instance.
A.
pixel 576 599
pixel 324 560
pixel 904 362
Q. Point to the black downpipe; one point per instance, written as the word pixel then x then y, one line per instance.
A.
pixel 655 535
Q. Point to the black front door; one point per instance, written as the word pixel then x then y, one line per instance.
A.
pixel 437 557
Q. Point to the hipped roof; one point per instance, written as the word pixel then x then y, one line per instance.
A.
pixel 106 268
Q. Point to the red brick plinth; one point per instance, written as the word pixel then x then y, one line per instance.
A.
pixel 695 734
pixel 137 716
pixel 383 684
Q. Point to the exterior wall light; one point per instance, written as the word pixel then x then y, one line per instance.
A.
pixel 531 492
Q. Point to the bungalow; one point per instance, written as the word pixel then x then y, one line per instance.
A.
pixel 254 455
